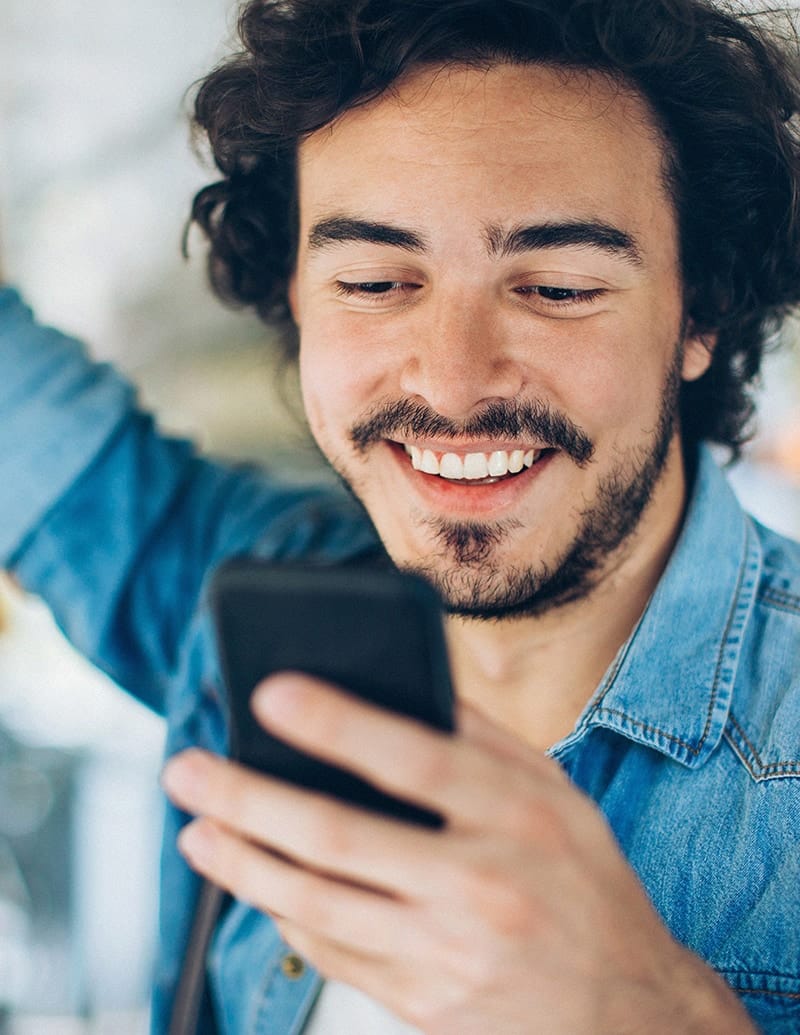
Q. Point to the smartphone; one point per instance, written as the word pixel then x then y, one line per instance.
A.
pixel 374 632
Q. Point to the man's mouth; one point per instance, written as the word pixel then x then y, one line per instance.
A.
pixel 481 468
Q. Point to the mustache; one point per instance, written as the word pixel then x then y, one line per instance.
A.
pixel 499 420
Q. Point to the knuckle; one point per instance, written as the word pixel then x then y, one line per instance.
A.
pixel 503 904
pixel 233 791
pixel 533 818
pixel 244 807
pixel 423 1009
pixel 301 904
pixel 243 874
pixel 429 768
pixel 329 836
pixel 469 976
pixel 472 881
pixel 491 888
pixel 509 909
pixel 477 975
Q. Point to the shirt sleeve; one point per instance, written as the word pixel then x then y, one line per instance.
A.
pixel 116 526
pixel 56 412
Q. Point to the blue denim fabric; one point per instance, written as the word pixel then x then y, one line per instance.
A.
pixel 690 746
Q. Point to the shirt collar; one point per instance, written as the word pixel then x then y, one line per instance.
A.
pixel 670 685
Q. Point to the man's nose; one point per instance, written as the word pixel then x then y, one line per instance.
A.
pixel 460 359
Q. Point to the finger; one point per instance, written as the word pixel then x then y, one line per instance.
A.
pixel 318 831
pixel 450 774
pixel 359 919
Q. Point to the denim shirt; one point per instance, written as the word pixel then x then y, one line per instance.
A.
pixel 690 745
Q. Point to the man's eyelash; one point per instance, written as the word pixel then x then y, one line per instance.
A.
pixel 561 296
pixel 554 296
pixel 369 287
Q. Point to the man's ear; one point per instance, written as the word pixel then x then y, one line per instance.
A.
pixel 291 295
pixel 698 351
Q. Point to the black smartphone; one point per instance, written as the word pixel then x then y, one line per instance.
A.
pixel 374 632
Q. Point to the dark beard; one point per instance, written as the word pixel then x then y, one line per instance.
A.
pixel 475 588
pixel 478 590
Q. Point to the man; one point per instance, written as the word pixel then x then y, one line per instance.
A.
pixel 533 251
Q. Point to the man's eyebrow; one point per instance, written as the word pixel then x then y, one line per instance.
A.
pixel 344 228
pixel 500 242
pixel 575 233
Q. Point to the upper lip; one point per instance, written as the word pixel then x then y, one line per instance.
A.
pixel 463 448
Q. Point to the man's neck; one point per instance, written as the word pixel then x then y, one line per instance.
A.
pixel 535 675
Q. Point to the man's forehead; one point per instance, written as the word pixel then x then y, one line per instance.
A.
pixel 451 101
pixel 516 145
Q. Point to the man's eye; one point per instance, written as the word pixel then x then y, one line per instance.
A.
pixel 562 295
pixel 557 294
pixel 368 287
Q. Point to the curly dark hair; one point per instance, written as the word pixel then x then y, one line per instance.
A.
pixel 724 85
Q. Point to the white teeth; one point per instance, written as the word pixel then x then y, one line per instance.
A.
pixel 498 464
pixel 451 466
pixel 476 466
pixel 430 465
pixel 516 461
pixel 471 466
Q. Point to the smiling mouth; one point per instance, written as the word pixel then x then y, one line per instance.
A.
pixel 476 468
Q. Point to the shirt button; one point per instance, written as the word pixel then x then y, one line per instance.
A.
pixel 293 966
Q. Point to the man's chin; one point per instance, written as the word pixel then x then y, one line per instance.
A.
pixel 488 593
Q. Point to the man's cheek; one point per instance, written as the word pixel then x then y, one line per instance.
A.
pixel 318 387
pixel 606 404
pixel 328 415
pixel 317 422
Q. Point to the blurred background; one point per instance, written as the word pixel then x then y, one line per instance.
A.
pixel 96 175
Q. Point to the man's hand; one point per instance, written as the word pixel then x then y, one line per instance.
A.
pixel 519 916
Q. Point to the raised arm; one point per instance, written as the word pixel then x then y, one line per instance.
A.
pixel 116 526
